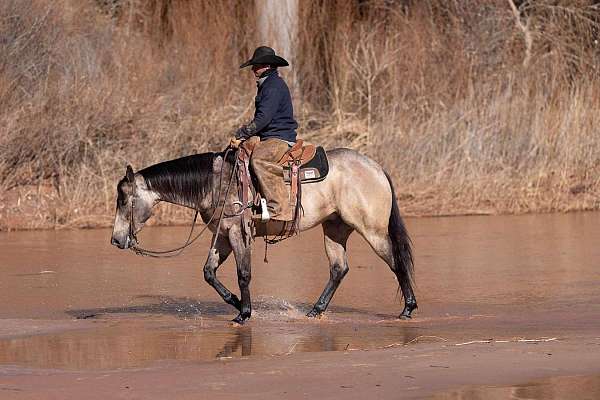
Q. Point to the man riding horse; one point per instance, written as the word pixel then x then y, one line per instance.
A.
pixel 273 128
pixel 356 195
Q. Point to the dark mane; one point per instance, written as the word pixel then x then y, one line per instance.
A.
pixel 184 180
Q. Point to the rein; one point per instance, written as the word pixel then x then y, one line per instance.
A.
pixel 178 250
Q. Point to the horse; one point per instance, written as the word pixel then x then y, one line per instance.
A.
pixel 357 195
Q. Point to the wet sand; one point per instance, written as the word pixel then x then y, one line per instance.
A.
pixel 79 316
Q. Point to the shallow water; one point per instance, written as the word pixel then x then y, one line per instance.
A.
pixel 477 278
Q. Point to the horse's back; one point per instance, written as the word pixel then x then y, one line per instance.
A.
pixel 356 189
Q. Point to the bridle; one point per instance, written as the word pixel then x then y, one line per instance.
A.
pixel 178 250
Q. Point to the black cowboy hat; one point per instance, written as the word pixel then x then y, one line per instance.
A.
pixel 265 55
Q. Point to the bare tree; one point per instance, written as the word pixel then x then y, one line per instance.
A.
pixel 524 27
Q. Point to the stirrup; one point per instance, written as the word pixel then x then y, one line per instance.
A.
pixel 264 216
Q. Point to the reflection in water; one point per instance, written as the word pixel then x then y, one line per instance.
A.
pixel 558 388
pixel 241 340
pixel 136 343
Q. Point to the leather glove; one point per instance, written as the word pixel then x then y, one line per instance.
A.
pixel 242 133
pixel 246 131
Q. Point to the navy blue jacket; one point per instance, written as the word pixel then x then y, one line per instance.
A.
pixel 274 114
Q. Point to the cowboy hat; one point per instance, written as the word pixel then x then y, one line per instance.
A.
pixel 265 55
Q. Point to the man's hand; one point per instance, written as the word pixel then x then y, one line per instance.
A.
pixel 234 143
pixel 246 131
pixel 242 133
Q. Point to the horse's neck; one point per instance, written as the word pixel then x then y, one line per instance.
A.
pixel 177 203
pixel 186 181
pixel 211 195
pixel 200 205
pixel 180 199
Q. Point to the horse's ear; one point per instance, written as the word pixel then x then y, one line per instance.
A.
pixel 129 174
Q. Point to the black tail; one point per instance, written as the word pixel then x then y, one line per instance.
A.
pixel 403 258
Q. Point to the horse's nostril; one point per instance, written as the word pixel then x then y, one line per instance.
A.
pixel 114 242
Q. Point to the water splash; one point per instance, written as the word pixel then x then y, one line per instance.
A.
pixel 272 308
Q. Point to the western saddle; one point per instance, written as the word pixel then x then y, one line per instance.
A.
pixel 302 163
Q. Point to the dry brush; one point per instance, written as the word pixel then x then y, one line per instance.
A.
pixel 474 107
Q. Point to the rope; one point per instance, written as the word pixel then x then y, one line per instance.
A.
pixel 178 250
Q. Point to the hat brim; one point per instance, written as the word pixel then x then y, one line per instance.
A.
pixel 267 60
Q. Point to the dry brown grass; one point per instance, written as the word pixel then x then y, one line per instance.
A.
pixel 474 107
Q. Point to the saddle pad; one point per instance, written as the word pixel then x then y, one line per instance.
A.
pixel 314 171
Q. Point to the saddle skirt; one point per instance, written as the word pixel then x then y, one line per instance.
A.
pixel 313 169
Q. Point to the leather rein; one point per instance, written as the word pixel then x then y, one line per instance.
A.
pixel 178 250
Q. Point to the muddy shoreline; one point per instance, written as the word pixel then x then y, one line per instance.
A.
pixel 470 356
pixel 409 372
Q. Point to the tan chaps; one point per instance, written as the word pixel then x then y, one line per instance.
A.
pixel 264 163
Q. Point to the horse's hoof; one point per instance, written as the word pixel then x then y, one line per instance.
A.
pixel 408 309
pixel 241 319
pixel 313 313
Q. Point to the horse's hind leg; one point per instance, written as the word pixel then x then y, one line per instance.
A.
pixel 382 245
pixel 216 257
pixel 336 235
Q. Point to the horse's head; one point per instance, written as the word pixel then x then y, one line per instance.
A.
pixel 134 207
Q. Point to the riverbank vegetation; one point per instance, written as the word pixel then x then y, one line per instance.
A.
pixel 473 106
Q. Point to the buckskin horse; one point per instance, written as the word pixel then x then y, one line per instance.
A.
pixel 357 195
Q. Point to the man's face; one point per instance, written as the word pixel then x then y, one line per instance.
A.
pixel 259 69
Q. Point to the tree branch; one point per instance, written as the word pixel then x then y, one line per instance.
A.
pixel 526 32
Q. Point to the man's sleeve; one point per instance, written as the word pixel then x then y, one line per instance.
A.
pixel 266 109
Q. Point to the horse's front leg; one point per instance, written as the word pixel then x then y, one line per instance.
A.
pixel 216 257
pixel 242 253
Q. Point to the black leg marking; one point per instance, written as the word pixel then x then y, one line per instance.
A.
pixel 243 260
pixel 410 302
pixel 383 246
pixel 336 235
pixel 215 258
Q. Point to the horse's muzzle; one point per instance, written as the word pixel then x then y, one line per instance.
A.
pixel 123 244
pixel 117 243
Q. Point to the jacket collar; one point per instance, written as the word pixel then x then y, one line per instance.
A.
pixel 265 75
